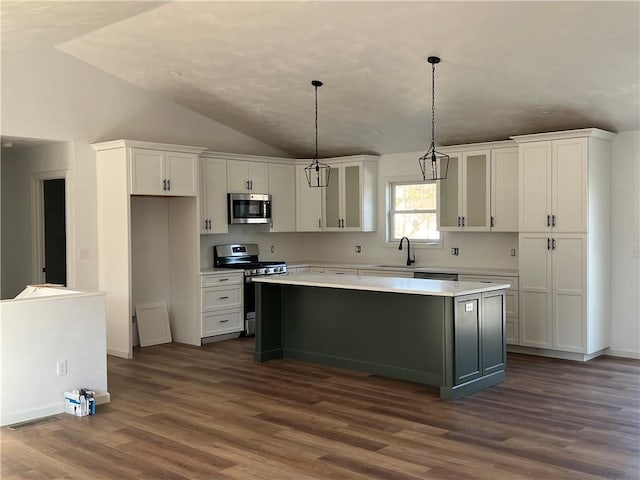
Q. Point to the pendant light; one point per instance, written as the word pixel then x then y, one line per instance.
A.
pixel 434 165
pixel 317 173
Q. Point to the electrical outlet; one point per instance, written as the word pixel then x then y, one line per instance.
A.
pixel 61 367
pixel 358 249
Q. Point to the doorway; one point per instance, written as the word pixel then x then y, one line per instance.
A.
pixel 55 238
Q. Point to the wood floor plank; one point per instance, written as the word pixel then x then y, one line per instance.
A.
pixel 180 412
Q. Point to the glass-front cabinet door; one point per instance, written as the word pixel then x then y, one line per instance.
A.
pixel 477 180
pixel 332 199
pixel 450 195
pixel 352 195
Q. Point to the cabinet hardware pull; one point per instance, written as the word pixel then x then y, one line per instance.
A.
pixel 223 298
pixel 553 244
pixel 209 224
pixel 548 220
pixel 492 222
pixel 459 222
pixel 319 224
pixel 548 244
pixel 224 321
pixel 462 221
pixel 164 185
pixel 553 220
pixel 223 279
pixel 169 185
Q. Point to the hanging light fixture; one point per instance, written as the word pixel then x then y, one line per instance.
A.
pixel 317 173
pixel 434 165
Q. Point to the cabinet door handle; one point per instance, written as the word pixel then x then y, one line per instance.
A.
pixel 462 221
pixel 164 185
pixel 224 321
pixel 548 220
pixel 459 222
pixel 223 279
pixel 553 244
pixel 548 244
pixel 553 220
pixel 319 224
pixel 492 223
pixel 209 224
pixel 223 298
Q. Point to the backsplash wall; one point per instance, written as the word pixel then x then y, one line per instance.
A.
pixel 477 249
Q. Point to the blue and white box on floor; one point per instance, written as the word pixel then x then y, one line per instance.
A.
pixel 80 402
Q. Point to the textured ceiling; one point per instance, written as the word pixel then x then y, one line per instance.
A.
pixel 249 65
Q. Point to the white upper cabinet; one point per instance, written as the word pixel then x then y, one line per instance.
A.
pixel 308 203
pixel 350 197
pixel 247 176
pixel 163 172
pixel 504 190
pixel 282 188
pixel 465 198
pixel 213 195
pixel 553 185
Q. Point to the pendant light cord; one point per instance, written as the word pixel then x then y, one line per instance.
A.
pixel 433 104
pixel 316 157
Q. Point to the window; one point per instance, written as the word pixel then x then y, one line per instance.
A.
pixel 413 212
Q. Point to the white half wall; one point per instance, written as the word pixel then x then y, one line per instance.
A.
pixel 625 245
pixel 35 334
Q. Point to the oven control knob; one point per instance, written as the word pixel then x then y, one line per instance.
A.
pixel 280 269
pixel 253 271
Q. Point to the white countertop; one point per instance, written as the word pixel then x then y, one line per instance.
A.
pixel 500 272
pixel 415 286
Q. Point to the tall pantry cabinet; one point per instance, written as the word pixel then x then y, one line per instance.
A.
pixel 147 218
pixel 564 241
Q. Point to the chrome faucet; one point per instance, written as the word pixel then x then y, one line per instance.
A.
pixel 409 259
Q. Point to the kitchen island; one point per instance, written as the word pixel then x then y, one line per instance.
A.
pixel 443 333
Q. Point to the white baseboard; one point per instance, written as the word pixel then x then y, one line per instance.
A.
pixel 543 352
pixel 119 353
pixel 622 353
pixel 55 409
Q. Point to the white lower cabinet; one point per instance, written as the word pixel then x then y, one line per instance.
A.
pixel 554 282
pixel 222 304
pixel 511 301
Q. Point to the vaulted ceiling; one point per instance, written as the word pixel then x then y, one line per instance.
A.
pixel 507 67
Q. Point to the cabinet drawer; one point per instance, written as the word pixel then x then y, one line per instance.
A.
pixel 215 298
pixel 511 300
pixel 316 270
pixel 340 271
pixel 511 335
pixel 513 281
pixel 220 280
pixel 218 323
pixel 386 273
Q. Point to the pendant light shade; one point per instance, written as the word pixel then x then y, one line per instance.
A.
pixel 317 173
pixel 434 164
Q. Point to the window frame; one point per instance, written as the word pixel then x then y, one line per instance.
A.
pixel 391 183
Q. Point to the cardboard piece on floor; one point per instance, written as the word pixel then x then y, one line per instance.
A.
pixel 153 324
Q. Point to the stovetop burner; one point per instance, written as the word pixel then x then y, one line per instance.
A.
pixel 245 256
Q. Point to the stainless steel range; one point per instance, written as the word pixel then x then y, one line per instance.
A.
pixel 245 257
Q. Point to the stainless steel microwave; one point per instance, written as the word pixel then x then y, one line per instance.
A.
pixel 249 208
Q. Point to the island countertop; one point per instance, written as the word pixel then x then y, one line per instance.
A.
pixel 413 286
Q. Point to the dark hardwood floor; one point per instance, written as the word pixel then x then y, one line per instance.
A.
pixel 212 413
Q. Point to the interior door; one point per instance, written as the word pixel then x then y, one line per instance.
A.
pixel 55 240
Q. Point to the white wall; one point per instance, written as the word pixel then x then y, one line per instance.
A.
pixel 18 168
pixel 47 94
pixel 625 244
pixel 37 333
